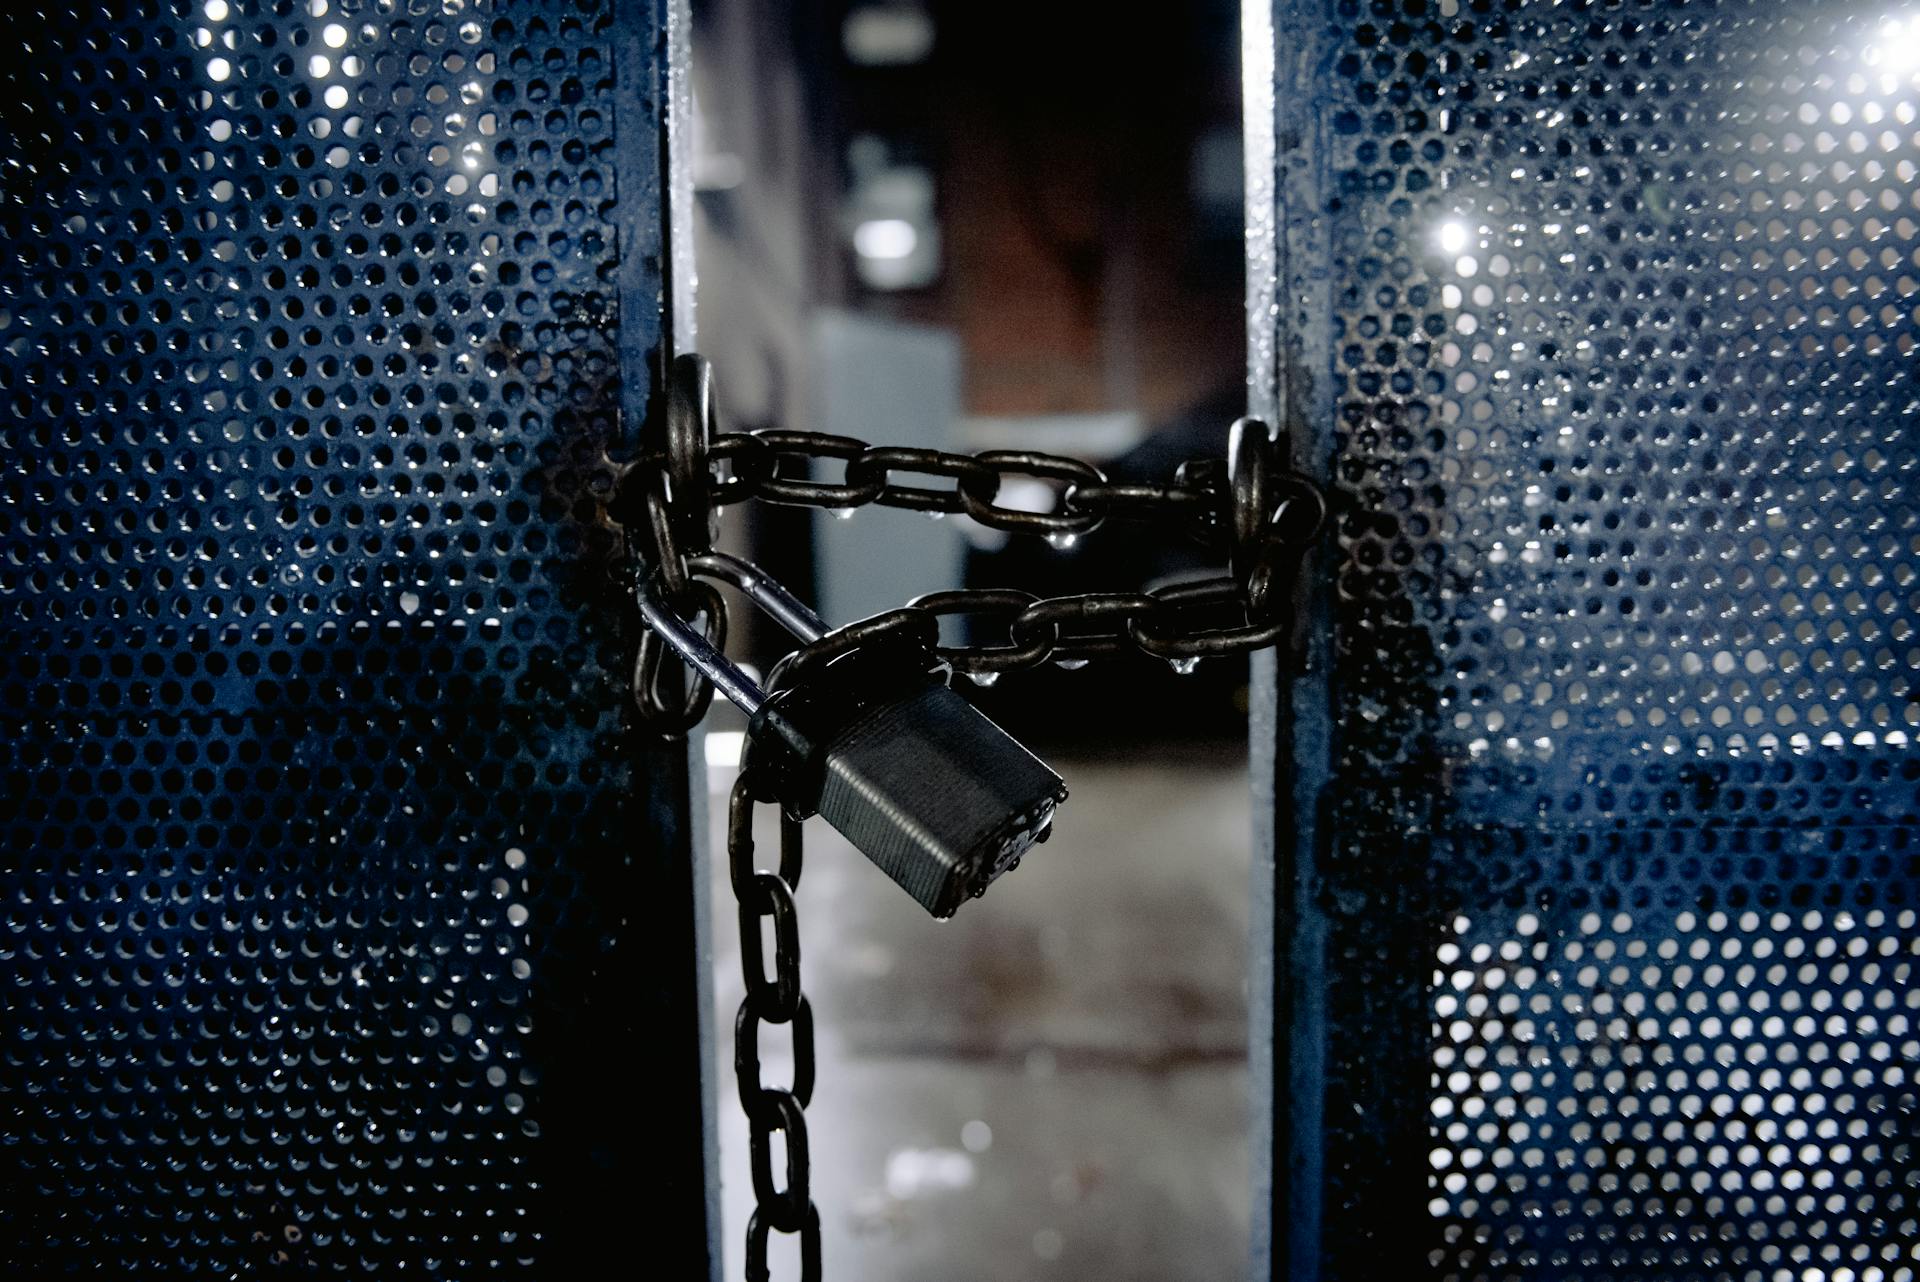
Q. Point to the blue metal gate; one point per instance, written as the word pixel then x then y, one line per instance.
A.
pixel 1595 865
pixel 346 924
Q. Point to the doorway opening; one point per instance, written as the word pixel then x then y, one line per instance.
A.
pixel 969 228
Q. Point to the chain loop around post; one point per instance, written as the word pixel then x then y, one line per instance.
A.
pixel 1274 514
pixel 1251 504
pixel 689 428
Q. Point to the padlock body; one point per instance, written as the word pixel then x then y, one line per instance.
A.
pixel 937 795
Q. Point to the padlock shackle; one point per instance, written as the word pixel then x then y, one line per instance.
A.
pixel 693 646
pixel 782 606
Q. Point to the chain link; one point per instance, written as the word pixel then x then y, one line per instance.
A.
pixel 761 894
pixel 672 697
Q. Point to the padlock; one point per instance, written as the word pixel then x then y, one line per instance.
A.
pixel 874 740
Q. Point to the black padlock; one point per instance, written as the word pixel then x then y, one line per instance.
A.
pixel 937 795
pixel 874 741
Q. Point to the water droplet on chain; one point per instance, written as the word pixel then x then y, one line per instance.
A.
pixel 983 678
pixel 936 516
pixel 1185 667
pixel 1069 665
pixel 840 513
pixel 1062 540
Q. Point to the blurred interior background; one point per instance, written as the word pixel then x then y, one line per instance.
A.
pixel 977 226
pixel 917 229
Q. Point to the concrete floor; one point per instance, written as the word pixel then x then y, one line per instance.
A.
pixel 1053 1084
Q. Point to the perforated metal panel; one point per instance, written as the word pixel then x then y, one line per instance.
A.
pixel 345 924
pixel 1600 932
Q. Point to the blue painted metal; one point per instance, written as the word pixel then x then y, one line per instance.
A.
pixel 1594 867
pixel 349 920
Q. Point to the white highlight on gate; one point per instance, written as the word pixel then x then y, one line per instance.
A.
pixel 1455 237
pixel 1896 46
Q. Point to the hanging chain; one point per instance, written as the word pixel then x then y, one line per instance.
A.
pixel 1263 515
pixel 761 896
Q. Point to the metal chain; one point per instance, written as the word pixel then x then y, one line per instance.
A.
pixel 1264 516
pixel 761 895
pixel 775 466
pixel 1268 528
pixel 1181 623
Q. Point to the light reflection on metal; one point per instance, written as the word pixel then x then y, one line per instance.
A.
pixel 1896 48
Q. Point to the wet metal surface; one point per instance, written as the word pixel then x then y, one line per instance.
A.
pixel 1052 1084
pixel 347 914
pixel 1599 846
